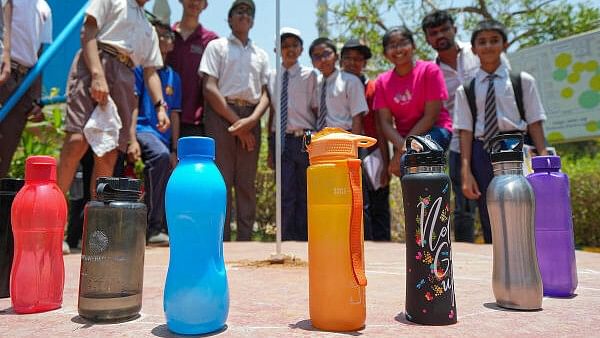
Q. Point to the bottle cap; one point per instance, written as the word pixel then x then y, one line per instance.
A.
pixel 196 146
pixel 507 148
pixel 11 185
pixel 545 162
pixel 423 151
pixel 118 189
pixel 40 168
pixel 332 144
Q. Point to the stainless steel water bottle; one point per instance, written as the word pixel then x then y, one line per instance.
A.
pixel 516 280
pixel 426 194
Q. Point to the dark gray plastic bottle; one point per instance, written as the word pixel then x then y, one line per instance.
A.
pixel 8 189
pixel 112 257
pixel 426 195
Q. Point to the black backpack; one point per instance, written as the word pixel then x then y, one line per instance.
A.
pixel 515 79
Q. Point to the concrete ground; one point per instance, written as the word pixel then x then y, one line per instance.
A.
pixel 272 300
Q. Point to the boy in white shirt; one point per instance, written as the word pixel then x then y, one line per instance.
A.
pixel 496 112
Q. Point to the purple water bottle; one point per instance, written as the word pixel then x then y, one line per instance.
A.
pixel 553 227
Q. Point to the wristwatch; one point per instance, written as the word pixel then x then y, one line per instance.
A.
pixel 160 103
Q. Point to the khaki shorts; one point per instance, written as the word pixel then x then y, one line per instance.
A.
pixel 121 86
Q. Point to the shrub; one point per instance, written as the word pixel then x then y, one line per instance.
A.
pixel 584 177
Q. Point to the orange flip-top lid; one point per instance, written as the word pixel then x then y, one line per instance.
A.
pixel 332 144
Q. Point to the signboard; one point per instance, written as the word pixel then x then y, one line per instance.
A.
pixel 568 79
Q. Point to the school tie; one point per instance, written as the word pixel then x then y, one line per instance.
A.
pixel 284 106
pixel 322 120
pixel 491 121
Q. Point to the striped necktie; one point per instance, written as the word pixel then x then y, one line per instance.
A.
pixel 284 106
pixel 322 120
pixel 491 121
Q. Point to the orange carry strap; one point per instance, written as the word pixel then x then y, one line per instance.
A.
pixel 356 218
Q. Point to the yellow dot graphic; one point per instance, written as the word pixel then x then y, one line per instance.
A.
pixel 591 66
pixel 578 67
pixel 555 136
pixel 591 126
pixel 573 78
pixel 563 60
pixel 595 83
pixel 567 93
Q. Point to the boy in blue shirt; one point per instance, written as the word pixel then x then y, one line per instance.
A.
pixel 157 149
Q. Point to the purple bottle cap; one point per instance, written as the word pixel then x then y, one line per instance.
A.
pixel 545 162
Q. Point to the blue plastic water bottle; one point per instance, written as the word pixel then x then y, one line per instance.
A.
pixel 196 298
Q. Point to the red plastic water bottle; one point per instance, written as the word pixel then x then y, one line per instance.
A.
pixel 39 214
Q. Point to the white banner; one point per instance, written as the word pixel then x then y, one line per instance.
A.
pixel 568 78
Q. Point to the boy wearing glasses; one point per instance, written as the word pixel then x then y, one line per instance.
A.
pixel 235 75
pixel 157 148
pixel 340 95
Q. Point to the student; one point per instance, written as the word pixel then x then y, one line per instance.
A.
pixel 191 39
pixel 5 22
pixel 298 84
pixel 496 112
pixel 235 75
pixel 30 29
pixel 158 149
pixel 459 65
pixel 354 56
pixel 340 95
pixel 116 37
pixel 410 96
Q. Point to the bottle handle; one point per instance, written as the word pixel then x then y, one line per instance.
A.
pixel 427 144
pixel 356 219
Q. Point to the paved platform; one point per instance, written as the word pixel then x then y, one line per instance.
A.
pixel 272 300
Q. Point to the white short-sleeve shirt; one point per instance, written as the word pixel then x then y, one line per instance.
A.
pixel 345 98
pixel 31 27
pixel 123 24
pixel 302 82
pixel 241 71
pixel 507 112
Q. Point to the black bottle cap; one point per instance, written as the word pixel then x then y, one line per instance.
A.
pixel 118 189
pixel 430 154
pixel 507 148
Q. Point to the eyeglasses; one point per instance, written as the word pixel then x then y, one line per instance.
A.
pixel 353 59
pixel 241 12
pixel 322 56
pixel 400 44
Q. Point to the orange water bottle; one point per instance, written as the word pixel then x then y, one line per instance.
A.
pixel 335 231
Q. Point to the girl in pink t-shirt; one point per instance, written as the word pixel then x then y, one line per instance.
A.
pixel 410 95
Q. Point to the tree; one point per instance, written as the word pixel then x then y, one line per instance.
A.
pixel 529 22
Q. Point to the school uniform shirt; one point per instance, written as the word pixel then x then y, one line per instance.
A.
pixel 467 64
pixel 171 88
pixel 344 98
pixel 185 60
pixel 405 96
pixel 123 25
pixel 507 112
pixel 31 27
pixel 302 82
pixel 241 71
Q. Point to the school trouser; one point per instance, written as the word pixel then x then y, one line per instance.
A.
pixel 377 212
pixel 238 167
pixel 481 167
pixel 188 129
pixel 157 169
pixel 14 122
pixel 464 209
pixel 294 162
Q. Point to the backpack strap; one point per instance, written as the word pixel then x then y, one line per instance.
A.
pixel 470 93
pixel 515 79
